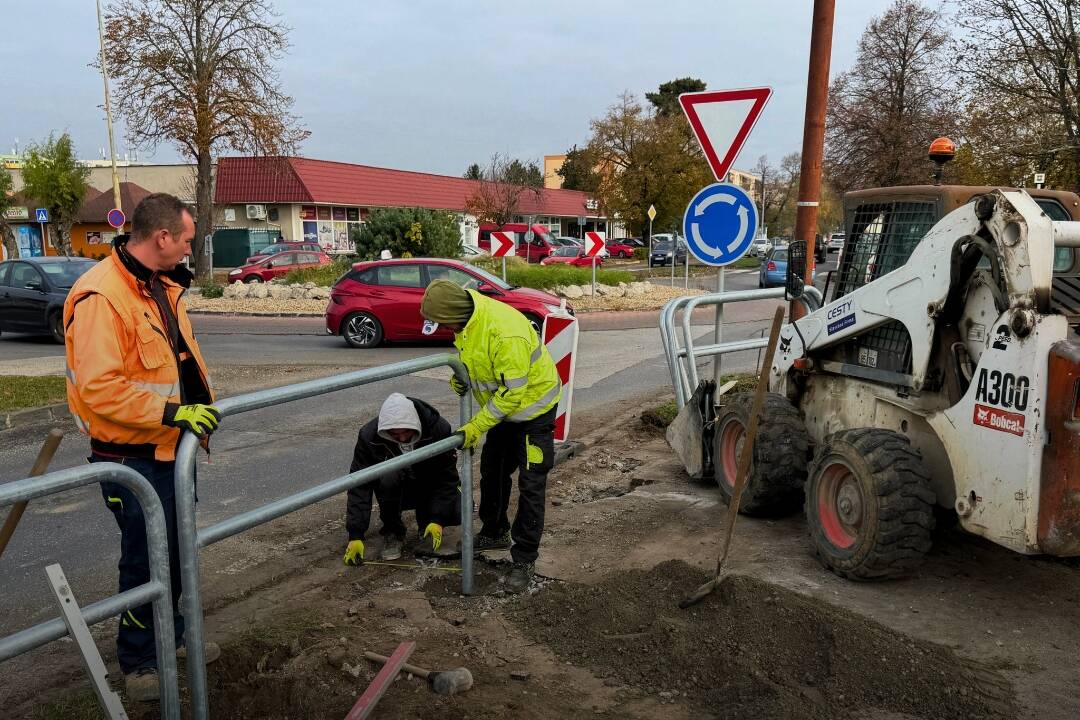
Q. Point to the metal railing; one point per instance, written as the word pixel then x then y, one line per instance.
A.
pixel 157 591
pixel 682 360
pixel 191 539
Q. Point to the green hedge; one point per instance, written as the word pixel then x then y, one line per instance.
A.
pixel 326 275
pixel 545 277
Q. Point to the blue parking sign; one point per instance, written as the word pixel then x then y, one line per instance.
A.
pixel 720 223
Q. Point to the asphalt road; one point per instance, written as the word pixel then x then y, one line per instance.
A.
pixel 265 455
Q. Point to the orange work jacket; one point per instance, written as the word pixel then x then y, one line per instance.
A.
pixel 121 366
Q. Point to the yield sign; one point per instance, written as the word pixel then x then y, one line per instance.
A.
pixel 722 120
pixel 594 243
pixel 502 243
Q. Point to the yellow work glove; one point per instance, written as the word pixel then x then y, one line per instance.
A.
pixel 354 553
pixel 459 387
pixel 199 419
pixel 472 435
pixel 434 530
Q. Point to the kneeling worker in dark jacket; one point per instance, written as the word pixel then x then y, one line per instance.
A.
pixel 430 487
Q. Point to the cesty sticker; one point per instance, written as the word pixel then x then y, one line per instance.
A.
pixel 840 317
pixel 1000 420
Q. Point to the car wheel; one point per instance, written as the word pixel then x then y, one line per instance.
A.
pixel 362 330
pixel 56 327
pixel 253 279
pixel 537 322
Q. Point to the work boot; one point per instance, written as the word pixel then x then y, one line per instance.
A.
pixel 211 651
pixel 142 685
pixel 520 576
pixel 482 543
pixel 391 549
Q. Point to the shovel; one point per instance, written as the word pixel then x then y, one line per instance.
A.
pixel 745 458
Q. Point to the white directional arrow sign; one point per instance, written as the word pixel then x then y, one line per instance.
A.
pixel 722 120
pixel 594 243
pixel 502 243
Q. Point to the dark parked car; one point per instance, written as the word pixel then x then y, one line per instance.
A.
pixel 380 300
pixel 33 290
pixel 662 253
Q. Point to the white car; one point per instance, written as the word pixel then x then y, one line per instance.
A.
pixel 836 242
pixel 760 247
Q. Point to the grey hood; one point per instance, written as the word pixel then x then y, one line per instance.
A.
pixel 398 413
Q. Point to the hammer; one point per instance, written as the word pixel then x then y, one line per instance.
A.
pixel 444 682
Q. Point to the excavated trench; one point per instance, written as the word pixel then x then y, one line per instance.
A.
pixel 754 650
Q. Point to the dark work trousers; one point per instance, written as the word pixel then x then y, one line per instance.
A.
pixel 529 448
pixel 135 641
pixel 394 496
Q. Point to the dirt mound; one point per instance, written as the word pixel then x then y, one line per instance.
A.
pixel 754 650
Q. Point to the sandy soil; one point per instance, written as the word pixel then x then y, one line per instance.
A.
pixel 976 632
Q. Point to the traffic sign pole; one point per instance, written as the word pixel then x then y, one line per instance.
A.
pixel 718 326
pixel 504 268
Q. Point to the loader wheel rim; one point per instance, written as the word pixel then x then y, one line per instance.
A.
pixel 731 445
pixel 840 505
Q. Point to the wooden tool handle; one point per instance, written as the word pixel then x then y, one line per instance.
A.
pixel 411 669
pixel 747 455
pixel 41 464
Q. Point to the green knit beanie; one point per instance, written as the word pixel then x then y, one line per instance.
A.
pixel 446 302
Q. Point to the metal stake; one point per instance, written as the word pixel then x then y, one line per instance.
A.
pixel 76 625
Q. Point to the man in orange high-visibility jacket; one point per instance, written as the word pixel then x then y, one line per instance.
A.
pixel 135 381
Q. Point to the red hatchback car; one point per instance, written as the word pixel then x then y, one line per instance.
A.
pixel 272 266
pixel 619 250
pixel 570 255
pixel 380 300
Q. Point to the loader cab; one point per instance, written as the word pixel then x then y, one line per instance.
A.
pixel 885 224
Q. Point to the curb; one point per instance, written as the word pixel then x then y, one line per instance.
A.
pixel 45 413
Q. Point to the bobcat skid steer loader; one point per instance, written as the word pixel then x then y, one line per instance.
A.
pixel 945 373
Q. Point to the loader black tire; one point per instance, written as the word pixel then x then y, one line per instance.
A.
pixel 774 487
pixel 869 505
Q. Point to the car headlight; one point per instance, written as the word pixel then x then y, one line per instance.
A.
pixel 668 255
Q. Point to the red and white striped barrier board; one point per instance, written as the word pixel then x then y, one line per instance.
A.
pixel 560 335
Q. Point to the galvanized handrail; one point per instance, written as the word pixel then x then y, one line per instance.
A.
pixel 191 539
pixel 157 591
pixel 685 379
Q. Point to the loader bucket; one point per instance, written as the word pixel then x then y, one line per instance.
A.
pixel 690 433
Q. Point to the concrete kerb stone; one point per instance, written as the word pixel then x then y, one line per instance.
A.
pixel 30 416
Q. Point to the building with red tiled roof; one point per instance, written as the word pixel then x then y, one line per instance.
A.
pixel 324 200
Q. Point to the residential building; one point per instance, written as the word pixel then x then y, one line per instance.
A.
pixel 325 201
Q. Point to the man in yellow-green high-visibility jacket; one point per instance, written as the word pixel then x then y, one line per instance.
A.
pixel 517 387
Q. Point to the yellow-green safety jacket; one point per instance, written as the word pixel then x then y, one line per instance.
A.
pixel 512 374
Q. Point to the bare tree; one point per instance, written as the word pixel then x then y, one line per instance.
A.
pixel 200 74
pixel 498 194
pixel 884 112
pixel 1020 60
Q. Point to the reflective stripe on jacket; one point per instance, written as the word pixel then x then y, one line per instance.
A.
pixel 512 374
pixel 121 367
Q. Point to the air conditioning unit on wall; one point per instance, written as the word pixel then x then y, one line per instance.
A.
pixel 256 212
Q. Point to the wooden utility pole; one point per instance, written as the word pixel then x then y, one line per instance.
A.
pixel 813 148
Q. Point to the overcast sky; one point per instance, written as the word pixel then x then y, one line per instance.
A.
pixel 435 85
